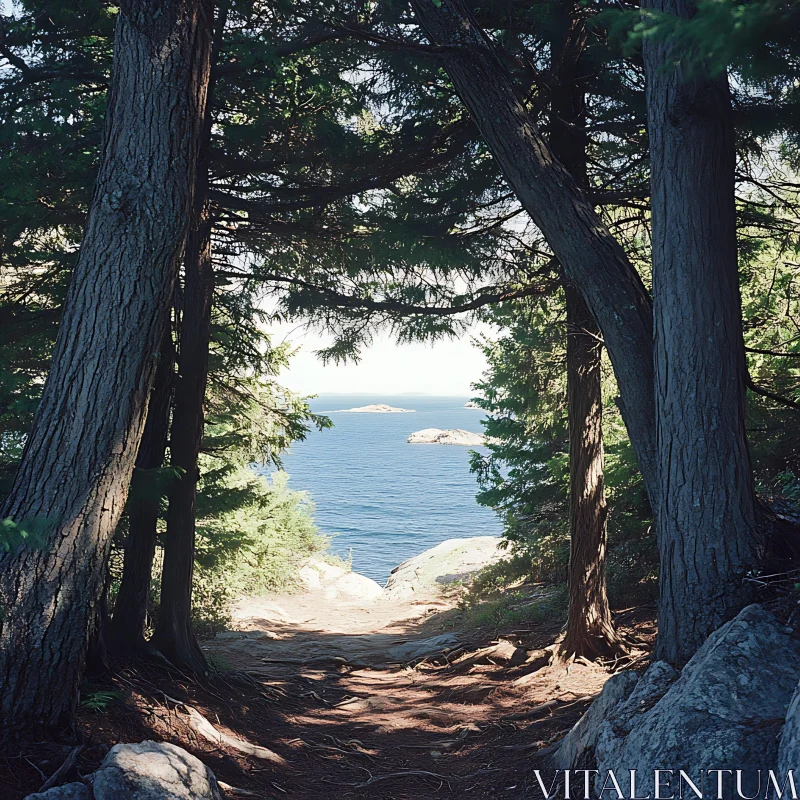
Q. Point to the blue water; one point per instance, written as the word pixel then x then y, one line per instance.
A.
pixel 385 499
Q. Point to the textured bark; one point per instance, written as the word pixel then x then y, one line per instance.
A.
pixel 127 626
pixel 173 635
pixel 590 256
pixel 79 457
pixel 590 630
pixel 706 523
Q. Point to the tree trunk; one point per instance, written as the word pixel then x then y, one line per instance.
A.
pixel 173 635
pixel 706 522
pixel 80 455
pixel 590 631
pixel 127 627
pixel 590 256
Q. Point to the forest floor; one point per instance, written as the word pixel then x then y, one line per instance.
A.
pixel 352 700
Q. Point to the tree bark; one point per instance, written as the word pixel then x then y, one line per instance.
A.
pixel 80 454
pixel 127 627
pixel 707 521
pixel 173 635
pixel 590 630
pixel 590 256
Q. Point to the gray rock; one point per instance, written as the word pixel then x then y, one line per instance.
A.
pixel 419 648
pixel 423 576
pixel 577 747
pixel 69 791
pixel 723 712
pixel 789 750
pixel 153 771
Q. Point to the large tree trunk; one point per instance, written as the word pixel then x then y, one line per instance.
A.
pixel 79 457
pixel 706 522
pixel 127 627
pixel 590 629
pixel 590 256
pixel 173 635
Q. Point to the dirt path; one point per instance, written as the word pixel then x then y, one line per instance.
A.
pixel 382 699
pixel 390 699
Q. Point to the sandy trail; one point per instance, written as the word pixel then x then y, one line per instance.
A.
pixel 371 690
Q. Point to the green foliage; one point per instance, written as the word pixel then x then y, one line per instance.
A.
pixel 253 535
pixel 525 477
pixel 516 607
pixel 31 532
pixel 99 700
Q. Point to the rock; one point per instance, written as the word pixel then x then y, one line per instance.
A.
pixel 262 635
pixel 69 791
pixel 789 750
pixel 326 572
pixel 357 587
pixel 419 648
pixel 309 576
pixel 153 771
pixel 454 436
pixel 472 404
pixel 377 408
pixel 723 712
pixel 422 577
pixel 229 635
pixel 577 747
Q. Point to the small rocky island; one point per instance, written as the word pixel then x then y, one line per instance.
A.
pixel 454 436
pixel 378 408
pixel 472 404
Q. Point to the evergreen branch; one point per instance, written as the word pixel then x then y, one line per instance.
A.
pixel 771 353
pixel 336 299
pixel 778 398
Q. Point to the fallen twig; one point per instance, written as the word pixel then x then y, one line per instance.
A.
pixel 63 770
pixel 411 773
pixel 227 788
pixel 548 706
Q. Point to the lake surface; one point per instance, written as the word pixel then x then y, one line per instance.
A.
pixel 385 499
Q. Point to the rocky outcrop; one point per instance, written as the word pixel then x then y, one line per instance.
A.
pixel 153 771
pixel 577 748
pixel 789 750
pixel 454 436
pixel 452 561
pixel 338 584
pixel 377 408
pixel 69 791
pixel 723 711
pixel 471 404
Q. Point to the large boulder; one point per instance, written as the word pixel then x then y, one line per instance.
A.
pixel 353 587
pixel 153 771
pixel 577 748
pixel 789 750
pixel 424 576
pixel 69 791
pixel 724 711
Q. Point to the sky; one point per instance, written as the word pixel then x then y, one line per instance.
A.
pixel 445 368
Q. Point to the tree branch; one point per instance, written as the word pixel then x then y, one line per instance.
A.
pixel 784 401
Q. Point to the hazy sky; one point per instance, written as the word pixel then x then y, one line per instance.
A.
pixel 445 368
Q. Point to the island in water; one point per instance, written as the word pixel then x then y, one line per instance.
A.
pixel 378 408
pixel 472 404
pixel 453 436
